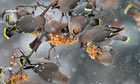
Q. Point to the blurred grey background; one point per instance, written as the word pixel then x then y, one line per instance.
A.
pixel 75 61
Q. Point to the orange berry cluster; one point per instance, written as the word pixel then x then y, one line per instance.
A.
pixel 136 16
pixel 137 19
pixel 18 78
pixel 93 52
pixel 12 57
pixel 13 63
pixel 61 40
pixel 34 33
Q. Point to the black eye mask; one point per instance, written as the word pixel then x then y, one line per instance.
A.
pixel 2 15
pixel 1 70
pixel 21 61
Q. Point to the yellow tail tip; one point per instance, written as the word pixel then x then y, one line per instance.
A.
pixel 128 39
pixel 19 62
pixel 100 21
pixel 30 48
pixel 127 8
pixel 88 9
pixel 5 35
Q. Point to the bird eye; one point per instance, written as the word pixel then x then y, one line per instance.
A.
pixel 0 70
pixel 21 61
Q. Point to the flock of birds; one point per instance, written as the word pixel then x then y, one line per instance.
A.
pixel 85 25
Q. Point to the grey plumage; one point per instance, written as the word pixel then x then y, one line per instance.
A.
pixel 108 56
pixel 14 15
pixel 77 24
pixel 47 70
pixel 97 34
pixel 30 83
pixel 66 5
pixel 100 34
pixel 50 72
pixel 32 23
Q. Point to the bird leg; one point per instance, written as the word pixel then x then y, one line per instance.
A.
pixel 52 46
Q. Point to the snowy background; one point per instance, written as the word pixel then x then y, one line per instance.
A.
pixel 75 61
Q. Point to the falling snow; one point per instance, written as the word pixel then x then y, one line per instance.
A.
pixel 75 62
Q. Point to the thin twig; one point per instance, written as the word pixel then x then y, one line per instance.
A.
pixel 44 12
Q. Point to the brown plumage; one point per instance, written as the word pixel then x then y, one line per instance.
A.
pixel 77 24
pixel 114 4
pixel 22 12
pixel 50 72
pixel 32 23
pixel 97 34
pixel 108 56
pixel 65 5
pixel 29 83
pixel 14 15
